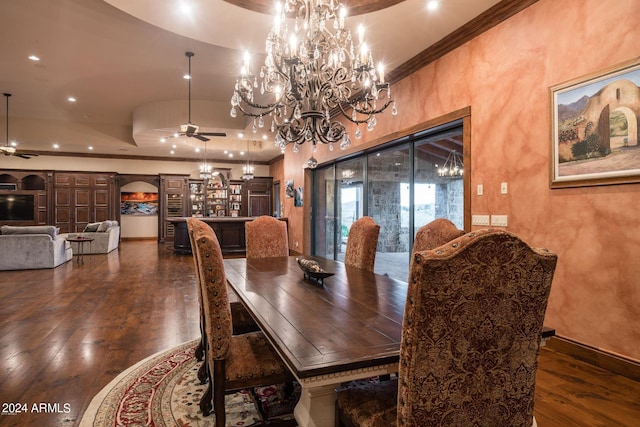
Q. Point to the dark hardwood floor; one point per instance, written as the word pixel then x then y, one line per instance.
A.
pixel 67 332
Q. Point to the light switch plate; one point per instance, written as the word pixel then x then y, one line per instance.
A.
pixel 499 220
pixel 480 190
pixel 480 220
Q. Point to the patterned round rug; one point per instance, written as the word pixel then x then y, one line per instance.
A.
pixel 164 391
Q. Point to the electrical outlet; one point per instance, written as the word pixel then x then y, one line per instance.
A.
pixel 503 188
pixel 499 220
pixel 480 220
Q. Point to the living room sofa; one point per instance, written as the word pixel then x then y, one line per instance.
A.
pixel 105 235
pixel 32 247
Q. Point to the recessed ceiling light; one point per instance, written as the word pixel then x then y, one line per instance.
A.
pixel 240 135
pixel 90 147
pixel 242 153
pixel 172 152
pixel 185 8
pixel 14 144
pixel 56 146
pixel 433 4
pixel 197 150
pixel 187 77
pixel 163 140
pixel 71 99
pixel 230 154
pixel 225 151
pixel 264 136
pixel 34 58
pixel 174 146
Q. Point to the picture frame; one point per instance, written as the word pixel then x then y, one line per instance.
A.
pixel 595 128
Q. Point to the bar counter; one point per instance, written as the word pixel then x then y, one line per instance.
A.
pixel 229 231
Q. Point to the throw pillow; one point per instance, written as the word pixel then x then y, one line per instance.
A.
pixel 104 225
pixel 92 227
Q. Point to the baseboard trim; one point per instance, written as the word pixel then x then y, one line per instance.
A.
pixel 139 238
pixel 594 356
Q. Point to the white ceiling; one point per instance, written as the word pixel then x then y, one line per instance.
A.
pixel 124 59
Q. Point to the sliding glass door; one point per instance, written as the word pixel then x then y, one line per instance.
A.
pixel 402 185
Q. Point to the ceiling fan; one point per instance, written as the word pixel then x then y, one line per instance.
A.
pixel 9 150
pixel 190 129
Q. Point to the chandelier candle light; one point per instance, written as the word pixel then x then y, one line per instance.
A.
pixel 311 76
pixel 453 166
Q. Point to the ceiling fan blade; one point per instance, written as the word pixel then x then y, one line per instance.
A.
pixel 200 137
pixel 213 133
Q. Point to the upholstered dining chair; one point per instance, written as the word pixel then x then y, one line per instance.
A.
pixel 242 320
pixel 266 236
pixel 470 339
pixel 362 243
pixel 434 234
pixel 234 361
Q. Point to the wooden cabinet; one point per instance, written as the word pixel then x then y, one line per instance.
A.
pixel 81 198
pixel 258 196
pixel 174 203
pixel 31 206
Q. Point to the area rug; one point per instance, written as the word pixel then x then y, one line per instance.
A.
pixel 164 391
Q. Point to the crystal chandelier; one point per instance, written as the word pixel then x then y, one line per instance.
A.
pixel 206 169
pixel 314 73
pixel 453 166
pixel 247 169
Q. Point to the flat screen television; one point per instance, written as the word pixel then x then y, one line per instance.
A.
pixel 17 207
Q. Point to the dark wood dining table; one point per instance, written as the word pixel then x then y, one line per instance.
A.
pixel 346 328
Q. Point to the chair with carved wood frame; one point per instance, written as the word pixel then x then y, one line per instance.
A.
pixel 234 362
pixel 470 341
pixel 362 243
pixel 266 236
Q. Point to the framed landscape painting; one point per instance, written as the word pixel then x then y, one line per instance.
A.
pixel 138 203
pixel 595 123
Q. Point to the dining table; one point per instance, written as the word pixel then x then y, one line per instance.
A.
pixel 340 328
pixel 345 327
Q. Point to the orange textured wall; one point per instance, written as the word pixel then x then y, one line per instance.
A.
pixel 504 75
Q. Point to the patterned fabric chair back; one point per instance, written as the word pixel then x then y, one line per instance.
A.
pixel 471 333
pixel 217 312
pixel 266 236
pixel 193 225
pixel 434 234
pixel 362 243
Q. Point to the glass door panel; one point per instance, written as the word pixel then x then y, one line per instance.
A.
pixel 350 201
pixel 388 190
pixel 438 194
pixel 324 213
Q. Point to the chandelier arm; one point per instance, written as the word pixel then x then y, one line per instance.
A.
pixel 247 101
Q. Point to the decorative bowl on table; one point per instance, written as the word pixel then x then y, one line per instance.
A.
pixel 312 270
